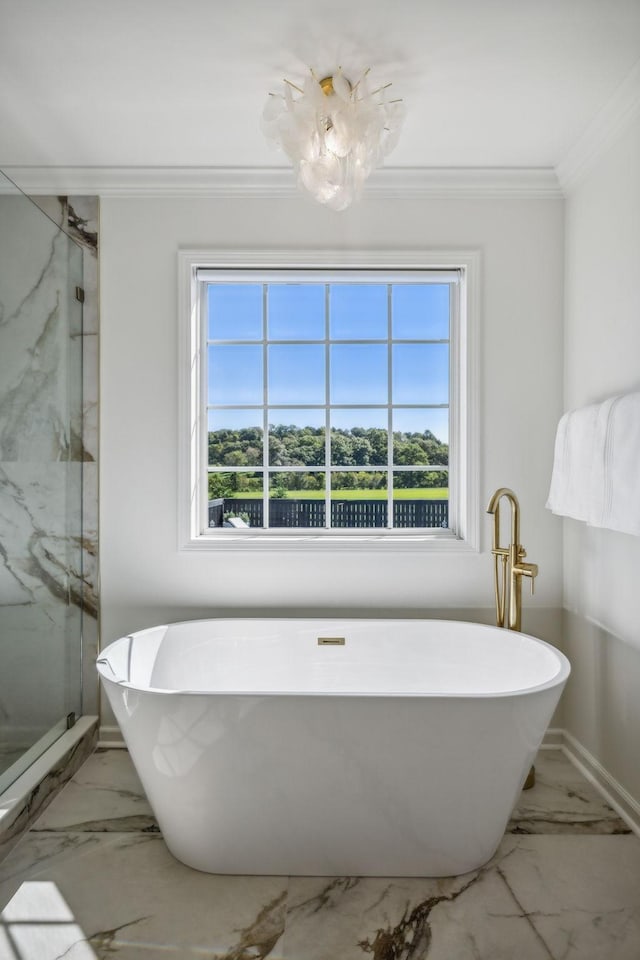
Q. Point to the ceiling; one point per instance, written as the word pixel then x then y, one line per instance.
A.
pixel 155 83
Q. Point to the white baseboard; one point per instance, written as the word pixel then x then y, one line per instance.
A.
pixel 110 738
pixel 626 806
pixel 553 739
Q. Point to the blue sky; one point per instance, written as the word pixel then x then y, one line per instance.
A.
pixel 358 372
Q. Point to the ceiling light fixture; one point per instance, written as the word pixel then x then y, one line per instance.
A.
pixel 335 133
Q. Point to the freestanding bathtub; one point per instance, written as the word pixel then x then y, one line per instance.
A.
pixel 332 747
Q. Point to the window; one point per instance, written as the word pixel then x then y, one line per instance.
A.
pixel 325 403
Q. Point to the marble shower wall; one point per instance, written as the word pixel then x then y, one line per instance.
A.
pixel 48 461
pixel 80 217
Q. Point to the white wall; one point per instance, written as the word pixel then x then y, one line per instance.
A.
pixel 602 351
pixel 144 577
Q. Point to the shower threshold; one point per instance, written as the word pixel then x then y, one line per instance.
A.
pixel 22 800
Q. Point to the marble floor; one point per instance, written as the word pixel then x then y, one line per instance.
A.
pixel 93 880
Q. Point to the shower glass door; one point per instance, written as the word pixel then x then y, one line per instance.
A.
pixel 41 456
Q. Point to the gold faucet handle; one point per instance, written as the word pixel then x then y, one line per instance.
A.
pixel 529 570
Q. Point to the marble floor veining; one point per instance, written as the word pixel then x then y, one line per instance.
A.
pixel 92 879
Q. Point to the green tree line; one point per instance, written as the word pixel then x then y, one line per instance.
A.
pixel 290 445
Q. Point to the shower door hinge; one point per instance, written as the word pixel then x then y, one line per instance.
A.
pixel 79 294
pixel 71 720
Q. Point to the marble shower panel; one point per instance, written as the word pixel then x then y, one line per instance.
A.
pixel 82 218
pixel 79 217
pixel 48 445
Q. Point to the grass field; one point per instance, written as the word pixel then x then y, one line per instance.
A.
pixel 421 493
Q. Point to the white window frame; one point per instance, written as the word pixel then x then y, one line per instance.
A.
pixel 463 535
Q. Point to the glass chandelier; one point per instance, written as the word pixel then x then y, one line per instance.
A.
pixel 334 133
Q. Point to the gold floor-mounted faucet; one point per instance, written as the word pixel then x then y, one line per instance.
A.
pixel 509 564
pixel 509 569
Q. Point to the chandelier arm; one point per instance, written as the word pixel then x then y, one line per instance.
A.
pixel 363 77
pixel 385 86
pixel 299 89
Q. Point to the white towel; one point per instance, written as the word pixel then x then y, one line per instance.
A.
pixel 596 467
pixel 570 494
pixel 621 493
pixel 597 476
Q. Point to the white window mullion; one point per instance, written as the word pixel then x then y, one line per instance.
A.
pixel 327 409
pixel 389 406
pixel 201 392
pixel 266 476
pixel 456 380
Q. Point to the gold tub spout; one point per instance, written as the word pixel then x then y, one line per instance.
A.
pixel 509 563
pixel 509 569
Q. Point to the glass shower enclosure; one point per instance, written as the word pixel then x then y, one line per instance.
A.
pixel 41 465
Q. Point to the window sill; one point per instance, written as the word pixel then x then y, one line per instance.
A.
pixel 287 541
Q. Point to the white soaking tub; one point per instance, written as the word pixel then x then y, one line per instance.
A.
pixel 397 748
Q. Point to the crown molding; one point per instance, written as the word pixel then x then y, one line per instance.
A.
pixel 605 128
pixel 266 183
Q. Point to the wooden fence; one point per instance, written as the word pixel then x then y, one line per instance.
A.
pixel 344 513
